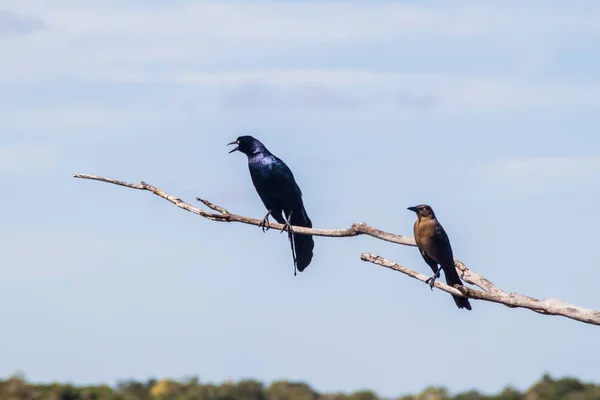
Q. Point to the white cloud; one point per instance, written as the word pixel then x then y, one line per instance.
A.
pixel 544 171
pixel 256 96
pixel 16 24
pixel 265 21
pixel 116 40
pixel 48 122
pixel 442 92
pixel 26 159
pixel 203 43
pixel 108 39
pixel 350 87
pixel 317 89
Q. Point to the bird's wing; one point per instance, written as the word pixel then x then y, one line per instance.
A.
pixel 430 261
pixel 427 259
pixel 442 243
pixel 284 177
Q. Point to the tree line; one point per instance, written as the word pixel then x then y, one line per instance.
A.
pixel 17 387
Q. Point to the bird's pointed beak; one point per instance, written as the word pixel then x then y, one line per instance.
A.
pixel 413 209
pixel 235 148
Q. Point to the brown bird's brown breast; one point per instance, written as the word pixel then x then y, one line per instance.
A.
pixel 424 231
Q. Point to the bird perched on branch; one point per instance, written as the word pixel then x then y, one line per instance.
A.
pixel 280 194
pixel 434 245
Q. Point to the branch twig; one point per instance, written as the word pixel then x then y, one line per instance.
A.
pixel 488 292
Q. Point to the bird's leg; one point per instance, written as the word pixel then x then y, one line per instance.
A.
pixel 431 281
pixel 287 226
pixel 293 246
pixel 265 222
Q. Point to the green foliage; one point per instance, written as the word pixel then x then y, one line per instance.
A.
pixel 17 388
pixel 565 388
pixel 283 390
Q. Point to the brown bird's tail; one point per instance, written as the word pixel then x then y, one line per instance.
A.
pixel 303 244
pixel 452 279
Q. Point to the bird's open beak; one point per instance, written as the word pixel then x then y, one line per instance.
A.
pixel 234 149
pixel 414 209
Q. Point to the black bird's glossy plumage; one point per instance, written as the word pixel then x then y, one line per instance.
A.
pixel 280 194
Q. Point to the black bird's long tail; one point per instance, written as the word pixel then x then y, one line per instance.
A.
pixel 303 244
pixel 452 279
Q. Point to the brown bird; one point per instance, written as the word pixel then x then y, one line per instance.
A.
pixel 434 245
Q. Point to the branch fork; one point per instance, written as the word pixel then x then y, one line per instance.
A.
pixel 487 290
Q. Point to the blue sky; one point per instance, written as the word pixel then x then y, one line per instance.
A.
pixel 486 111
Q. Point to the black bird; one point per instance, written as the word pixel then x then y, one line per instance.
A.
pixel 434 245
pixel 280 194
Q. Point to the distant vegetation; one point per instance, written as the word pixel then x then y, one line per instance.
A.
pixel 17 387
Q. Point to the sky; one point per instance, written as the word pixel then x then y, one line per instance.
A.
pixel 487 111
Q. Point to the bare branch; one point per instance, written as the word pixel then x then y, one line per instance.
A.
pixel 212 206
pixel 225 216
pixel 407 271
pixel 489 292
pixel 474 278
pixel 548 306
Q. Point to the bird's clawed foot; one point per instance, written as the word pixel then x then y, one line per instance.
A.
pixel 287 227
pixel 264 224
pixel 431 281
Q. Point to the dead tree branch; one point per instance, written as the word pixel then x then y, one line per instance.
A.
pixel 514 300
pixel 488 292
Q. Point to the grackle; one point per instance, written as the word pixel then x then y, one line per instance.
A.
pixel 434 245
pixel 280 194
